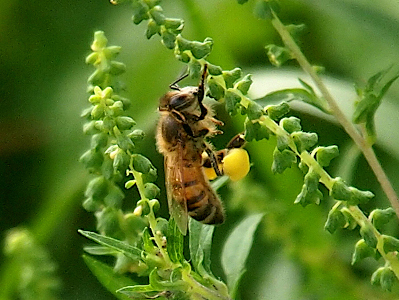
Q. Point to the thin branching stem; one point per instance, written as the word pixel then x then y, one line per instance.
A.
pixel 363 145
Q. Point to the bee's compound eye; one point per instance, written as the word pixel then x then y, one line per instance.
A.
pixel 179 102
pixel 236 164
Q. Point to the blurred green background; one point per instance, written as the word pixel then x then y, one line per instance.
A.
pixel 42 92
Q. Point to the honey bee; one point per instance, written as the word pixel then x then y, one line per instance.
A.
pixel 185 122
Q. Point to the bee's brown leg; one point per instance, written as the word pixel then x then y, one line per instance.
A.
pixel 201 93
pixel 236 142
pixel 214 161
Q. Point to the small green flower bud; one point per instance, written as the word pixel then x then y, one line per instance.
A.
pixel 194 67
pixel 183 44
pixel 340 190
pixel 376 277
pixel 151 176
pixel 126 102
pixel 359 197
pixel 152 29
pixel 138 211
pixel 92 159
pixel 244 84
pixel 117 68
pixel 282 142
pixel 140 12
pixel 232 101
pixel 183 56
pixel 310 192
pixel 97 188
pixel 97 77
pixel 231 76
pixel 91 205
pixel 282 160
pixel 174 24
pixel 214 70
pixel 168 39
pixel 151 190
pixel 388 278
pixel 99 141
pixel 136 135
pixel 154 204
pixel 335 220
pixel 350 221
pixel 254 110
pixel 115 196
pixel 391 244
pixel 216 91
pixel 278 55
pixel 145 206
pixel 276 112
pixel 121 161
pixel 157 14
pixel 367 233
pixel 92 58
pixel 124 122
pixel 255 131
pixel 108 223
pixel 107 168
pixel 291 124
pixel 97 112
pixel 141 163
pixel 201 50
pixel 108 124
pixel 100 41
pixel 117 108
pixel 379 217
pixel 89 128
pixel 362 250
pixel 304 140
pixel 129 184
pixel 112 51
pixel 325 154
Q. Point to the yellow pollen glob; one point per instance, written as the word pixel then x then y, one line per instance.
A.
pixel 236 164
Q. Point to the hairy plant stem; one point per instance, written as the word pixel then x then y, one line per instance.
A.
pixel 360 141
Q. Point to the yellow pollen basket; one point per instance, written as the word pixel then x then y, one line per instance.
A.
pixel 236 164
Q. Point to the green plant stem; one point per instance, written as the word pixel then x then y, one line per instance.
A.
pixel 363 145
pixel 151 217
pixel 361 219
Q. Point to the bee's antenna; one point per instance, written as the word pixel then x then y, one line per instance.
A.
pixel 174 85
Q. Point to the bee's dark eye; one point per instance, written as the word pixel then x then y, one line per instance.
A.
pixel 179 102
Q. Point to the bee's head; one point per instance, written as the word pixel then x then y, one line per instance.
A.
pixel 183 100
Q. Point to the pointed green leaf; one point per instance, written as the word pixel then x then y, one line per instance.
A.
pixel 200 244
pixel 236 250
pixel 122 247
pixel 174 242
pixel 108 278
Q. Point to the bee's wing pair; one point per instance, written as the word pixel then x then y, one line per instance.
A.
pixel 175 189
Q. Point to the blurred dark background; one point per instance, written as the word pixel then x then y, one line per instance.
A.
pixel 43 91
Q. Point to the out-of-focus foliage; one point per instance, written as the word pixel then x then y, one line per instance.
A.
pixel 42 92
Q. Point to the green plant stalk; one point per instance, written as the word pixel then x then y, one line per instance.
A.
pixel 202 291
pixel 151 216
pixel 363 145
pixel 361 219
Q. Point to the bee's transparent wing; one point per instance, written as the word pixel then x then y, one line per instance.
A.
pixel 175 189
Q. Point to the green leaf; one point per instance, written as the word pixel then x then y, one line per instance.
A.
pixel 108 278
pixel 174 242
pixel 236 250
pixel 200 245
pixel 122 247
